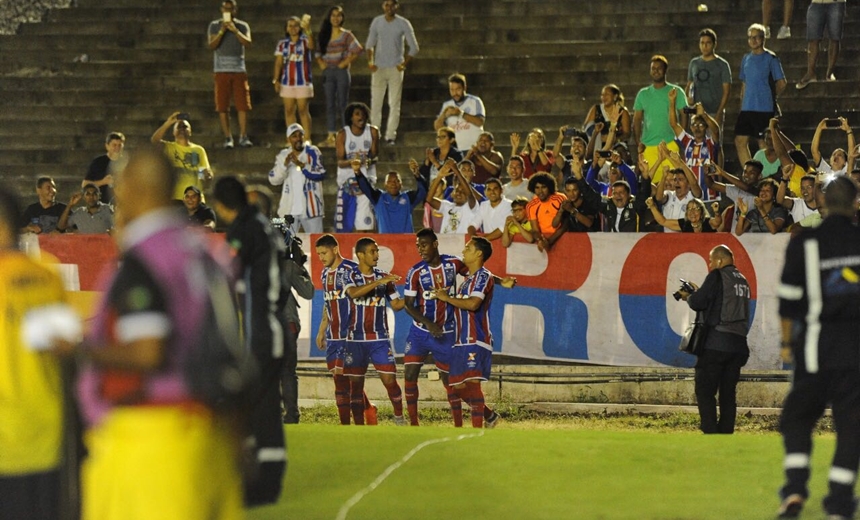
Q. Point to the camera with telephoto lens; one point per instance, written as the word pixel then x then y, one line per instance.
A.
pixel 686 287
pixel 292 242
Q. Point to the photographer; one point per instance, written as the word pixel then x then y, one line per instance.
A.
pixel 724 297
pixel 294 275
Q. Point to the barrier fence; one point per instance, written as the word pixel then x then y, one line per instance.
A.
pixel 601 298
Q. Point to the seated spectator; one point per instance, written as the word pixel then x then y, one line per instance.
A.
pixel 536 158
pixel 618 171
pixel 738 188
pixel 611 109
pixel 464 113
pixel 695 218
pixel 541 210
pixel 517 224
pixel 580 212
pixel 766 216
pixel 767 156
pixel 701 147
pixel 564 165
pixel 198 213
pixel 517 187
pixel 799 207
pixel 95 217
pixel 99 172
pixel 467 172
pixel 458 215
pixel 299 169
pixel 43 216
pixel 622 211
pixel 674 202
pixel 188 159
pixel 435 158
pixel 487 160
pixel 492 213
pixel 839 158
pixel 393 207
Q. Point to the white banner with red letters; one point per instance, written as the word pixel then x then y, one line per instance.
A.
pixel 601 298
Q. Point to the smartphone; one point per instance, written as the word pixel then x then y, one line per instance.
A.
pixel 227 17
pixel 689 110
pixel 571 132
pixel 606 154
pixel 832 123
pixel 184 116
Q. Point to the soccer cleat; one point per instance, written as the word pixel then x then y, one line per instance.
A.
pixel 784 33
pixel 491 421
pixel 228 143
pixel 370 416
pixel 244 142
pixel 399 420
pixel 791 506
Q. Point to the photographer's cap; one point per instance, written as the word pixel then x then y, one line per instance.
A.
pixel 293 128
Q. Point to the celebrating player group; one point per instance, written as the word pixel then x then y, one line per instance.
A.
pixel 452 324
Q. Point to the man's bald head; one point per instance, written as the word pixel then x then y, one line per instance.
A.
pixel 722 252
pixel 145 184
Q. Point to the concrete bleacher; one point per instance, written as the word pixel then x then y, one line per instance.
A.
pixel 533 63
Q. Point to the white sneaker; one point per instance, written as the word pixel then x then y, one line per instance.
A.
pixel 228 143
pixel 784 33
pixel 244 142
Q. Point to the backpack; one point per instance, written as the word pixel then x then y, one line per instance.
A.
pixel 218 370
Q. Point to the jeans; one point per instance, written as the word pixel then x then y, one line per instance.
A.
pixel 391 79
pixel 336 82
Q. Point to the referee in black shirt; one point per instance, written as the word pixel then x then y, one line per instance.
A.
pixel 819 302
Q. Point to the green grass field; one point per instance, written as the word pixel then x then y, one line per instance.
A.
pixel 533 470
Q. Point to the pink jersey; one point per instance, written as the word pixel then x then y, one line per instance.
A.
pixel 473 327
pixel 369 316
pixel 423 278
pixel 297 62
pixel 337 303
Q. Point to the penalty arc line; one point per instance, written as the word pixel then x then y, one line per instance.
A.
pixel 355 499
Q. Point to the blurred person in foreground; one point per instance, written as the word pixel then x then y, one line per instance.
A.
pixel 35 317
pixel 818 296
pixel 156 449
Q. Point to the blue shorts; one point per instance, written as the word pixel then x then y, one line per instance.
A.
pixel 359 354
pixel 334 349
pixel 470 363
pixel 821 16
pixel 419 343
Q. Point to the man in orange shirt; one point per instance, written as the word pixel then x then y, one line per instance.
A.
pixel 542 209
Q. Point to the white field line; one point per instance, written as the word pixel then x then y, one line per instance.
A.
pixel 355 499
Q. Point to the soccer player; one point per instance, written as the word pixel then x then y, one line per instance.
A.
pixel 432 330
pixel 333 332
pixel 369 340
pixel 472 355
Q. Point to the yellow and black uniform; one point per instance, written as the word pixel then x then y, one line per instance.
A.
pixel 31 401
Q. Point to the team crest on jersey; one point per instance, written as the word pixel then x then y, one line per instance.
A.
pixel 352 146
pixel 329 279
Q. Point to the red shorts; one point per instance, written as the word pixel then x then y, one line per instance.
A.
pixel 232 85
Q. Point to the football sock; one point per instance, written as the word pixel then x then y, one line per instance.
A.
pixel 341 397
pixel 356 394
pixel 396 396
pixel 411 388
pixel 476 402
pixel 456 406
